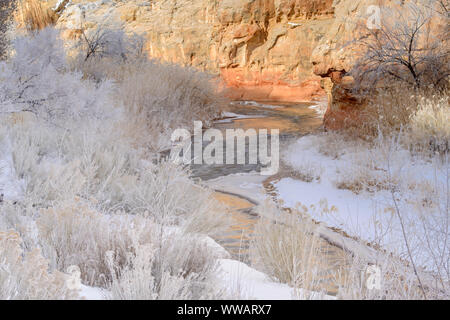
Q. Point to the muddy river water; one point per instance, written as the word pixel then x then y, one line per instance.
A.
pixel 241 187
pixel 292 120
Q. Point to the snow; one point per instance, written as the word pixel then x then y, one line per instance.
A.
pixel 246 185
pixel 92 293
pixel 256 104
pixel 369 216
pixel 320 108
pixel 236 278
pixel 231 116
pixel 239 278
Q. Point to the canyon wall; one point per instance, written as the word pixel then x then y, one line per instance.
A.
pixel 285 50
pixel 260 48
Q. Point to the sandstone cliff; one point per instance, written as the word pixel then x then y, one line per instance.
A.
pixel 291 50
pixel 261 48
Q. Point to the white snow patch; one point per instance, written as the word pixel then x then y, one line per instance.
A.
pixel 248 185
pixel 92 293
pixel 248 283
pixel 11 188
pixel 255 104
pixel 366 215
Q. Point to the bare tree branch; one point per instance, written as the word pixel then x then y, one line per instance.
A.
pixel 409 47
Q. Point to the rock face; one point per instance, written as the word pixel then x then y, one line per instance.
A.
pixel 286 50
pixel 337 51
pixel 260 48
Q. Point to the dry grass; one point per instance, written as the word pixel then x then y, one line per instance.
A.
pixel 72 233
pixel 33 16
pixel 179 270
pixel 25 275
pixel 387 110
pixel 419 117
pixel 88 192
pixel 430 124
pixel 160 98
pixel 396 281
pixel 287 248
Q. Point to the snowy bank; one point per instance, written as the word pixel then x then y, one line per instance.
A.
pixel 355 188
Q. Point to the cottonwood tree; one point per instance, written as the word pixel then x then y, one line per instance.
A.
pixel 444 6
pixel 410 46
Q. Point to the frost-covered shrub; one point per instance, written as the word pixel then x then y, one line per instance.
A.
pixel 287 248
pixel 58 164
pixel 178 268
pixel 75 234
pixel 162 97
pixel 136 280
pixel 165 193
pixel 102 44
pixel 430 124
pixel 396 281
pixel 158 97
pixel 20 217
pixel 25 276
pixel 168 89
pixel 64 139
pixel 35 79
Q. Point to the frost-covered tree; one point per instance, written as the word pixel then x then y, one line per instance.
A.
pixel 410 47
pixel 37 79
pixel 105 42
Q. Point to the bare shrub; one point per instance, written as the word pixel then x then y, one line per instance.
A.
pixel 25 276
pixel 36 80
pixel 388 111
pixel 396 281
pixel 418 116
pixel 410 47
pixel 161 97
